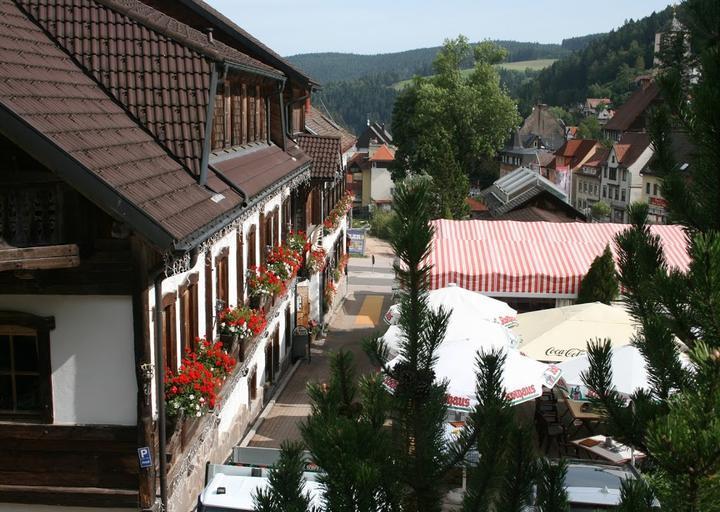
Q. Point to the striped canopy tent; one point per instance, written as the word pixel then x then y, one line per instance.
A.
pixel 529 259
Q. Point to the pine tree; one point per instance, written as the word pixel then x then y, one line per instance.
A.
pixel 600 283
pixel 286 483
pixel 551 493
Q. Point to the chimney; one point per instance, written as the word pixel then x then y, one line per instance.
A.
pixel 308 103
pixel 211 40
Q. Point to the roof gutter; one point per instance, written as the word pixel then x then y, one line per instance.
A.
pixel 80 177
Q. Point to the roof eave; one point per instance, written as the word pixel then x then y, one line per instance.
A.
pixel 81 178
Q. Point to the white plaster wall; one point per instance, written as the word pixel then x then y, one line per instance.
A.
pixel 91 354
pixel 380 184
pixel 229 241
pixel 636 181
pixel 314 296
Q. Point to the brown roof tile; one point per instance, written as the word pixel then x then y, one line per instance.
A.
pixel 156 66
pixel 576 150
pixel 325 153
pixel 256 169
pixel 319 124
pixel 71 112
pixel 628 112
pixel 229 31
pixel 598 158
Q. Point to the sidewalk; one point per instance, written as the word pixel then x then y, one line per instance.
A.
pixel 368 297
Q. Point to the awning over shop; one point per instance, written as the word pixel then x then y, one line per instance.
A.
pixel 529 259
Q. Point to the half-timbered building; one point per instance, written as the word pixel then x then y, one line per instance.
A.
pixel 148 167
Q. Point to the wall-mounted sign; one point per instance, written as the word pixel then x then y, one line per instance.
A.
pixel 357 241
pixel 144 457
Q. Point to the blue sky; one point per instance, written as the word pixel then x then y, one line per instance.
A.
pixel 302 26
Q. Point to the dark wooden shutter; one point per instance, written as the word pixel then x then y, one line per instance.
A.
pixel 240 270
pixel 263 241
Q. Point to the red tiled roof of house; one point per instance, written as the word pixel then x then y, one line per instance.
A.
pixel 598 158
pixel 576 150
pixel 596 102
pixel 67 115
pixel 630 147
pixel 383 154
pixel 627 113
pixel 319 124
pixel 475 205
pixel 325 153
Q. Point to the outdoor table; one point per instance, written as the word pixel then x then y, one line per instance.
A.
pixel 579 412
pixel 617 454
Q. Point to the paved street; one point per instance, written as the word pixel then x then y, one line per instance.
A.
pixel 368 297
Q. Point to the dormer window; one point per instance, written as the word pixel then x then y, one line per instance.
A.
pixel 240 114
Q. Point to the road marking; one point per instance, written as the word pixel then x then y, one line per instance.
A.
pixel 370 311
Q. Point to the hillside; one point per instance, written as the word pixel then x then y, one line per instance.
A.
pixel 521 65
pixel 333 67
pixel 606 66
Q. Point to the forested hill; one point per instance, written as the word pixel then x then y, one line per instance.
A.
pixel 606 67
pixel 333 67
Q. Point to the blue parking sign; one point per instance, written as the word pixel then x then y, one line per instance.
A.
pixel 144 456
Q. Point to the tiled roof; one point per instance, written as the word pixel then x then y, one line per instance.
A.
pixel 628 112
pixel 158 68
pixel 598 158
pixel 383 154
pixel 257 169
pixel 576 150
pixel 535 214
pixel 595 102
pixel 630 147
pixel 229 31
pixel 475 205
pixel 68 113
pixel 325 153
pixel 319 124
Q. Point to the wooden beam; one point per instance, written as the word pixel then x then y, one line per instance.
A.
pixel 40 258
pixel 68 496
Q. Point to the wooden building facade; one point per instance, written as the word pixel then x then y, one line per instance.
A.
pixel 146 167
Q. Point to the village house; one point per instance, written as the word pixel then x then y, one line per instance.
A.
pixel 631 116
pixel 368 173
pixel 151 166
pixel 568 159
pixel 524 195
pixel 588 180
pixel 593 106
pixel 532 144
pixel 621 180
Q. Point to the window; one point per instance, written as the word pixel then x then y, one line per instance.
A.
pixel 647 188
pixel 623 195
pixel 189 312
pixel 612 158
pixel 605 172
pixel 655 189
pixel 30 215
pixel 604 191
pixel 240 114
pixel 613 173
pixel 240 260
pixel 252 386
pixel 252 249
pixel 222 285
pixel 169 330
pixel 25 373
pixel 624 175
pixel 616 193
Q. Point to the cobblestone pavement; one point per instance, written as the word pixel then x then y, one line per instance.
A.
pixel 367 297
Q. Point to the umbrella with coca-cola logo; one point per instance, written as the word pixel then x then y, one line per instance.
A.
pixel 523 378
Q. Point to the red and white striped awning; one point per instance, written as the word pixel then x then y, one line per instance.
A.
pixel 530 259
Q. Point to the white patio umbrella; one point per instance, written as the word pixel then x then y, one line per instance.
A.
pixel 523 378
pixel 488 334
pixel 465 303
pixel 628 368
pixel 560 334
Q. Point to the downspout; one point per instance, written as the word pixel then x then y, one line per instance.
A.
pixel 160 377
pixel 207 143
pixel 283 114
pixel 160 385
